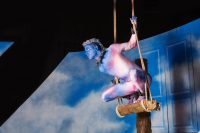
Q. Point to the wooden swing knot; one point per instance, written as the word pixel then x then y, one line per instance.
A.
pixel 137 107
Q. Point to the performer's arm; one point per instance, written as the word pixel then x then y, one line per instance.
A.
pixel 132 43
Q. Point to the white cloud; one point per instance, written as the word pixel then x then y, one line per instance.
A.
pixel 91 115
pixel 53 88
pixel 43 117
pixel 46 111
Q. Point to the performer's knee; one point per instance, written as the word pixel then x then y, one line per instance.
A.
pixel 105 97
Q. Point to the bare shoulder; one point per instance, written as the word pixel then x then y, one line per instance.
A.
pixel 114 47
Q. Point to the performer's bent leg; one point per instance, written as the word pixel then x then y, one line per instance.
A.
pixel 119 90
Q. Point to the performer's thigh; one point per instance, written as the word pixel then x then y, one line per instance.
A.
pixel 119 90
pixel 125 89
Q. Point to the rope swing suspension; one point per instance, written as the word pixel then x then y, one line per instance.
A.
pixel 115 39
pixel 147 86
pixel 115 21
pixel 148 104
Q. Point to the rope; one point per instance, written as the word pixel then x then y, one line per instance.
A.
pixel 115 21
pixel 132 1
pixel 140 53
pixel 115 38
pixel 142 61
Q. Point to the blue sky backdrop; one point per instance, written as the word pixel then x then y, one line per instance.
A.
pixel 69 100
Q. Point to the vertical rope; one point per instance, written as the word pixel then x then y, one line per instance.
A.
pixel 142 61
pixel 145 87
pixel 133 13
pixel 140 53
pixel 115 21
pixel 115 36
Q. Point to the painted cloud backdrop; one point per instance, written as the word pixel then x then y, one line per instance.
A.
pixel 69 101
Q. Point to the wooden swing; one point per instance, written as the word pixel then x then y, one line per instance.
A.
pixel 146 105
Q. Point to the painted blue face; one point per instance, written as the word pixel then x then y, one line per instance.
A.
pixel 90 51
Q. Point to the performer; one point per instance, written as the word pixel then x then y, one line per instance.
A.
pixel 112 61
